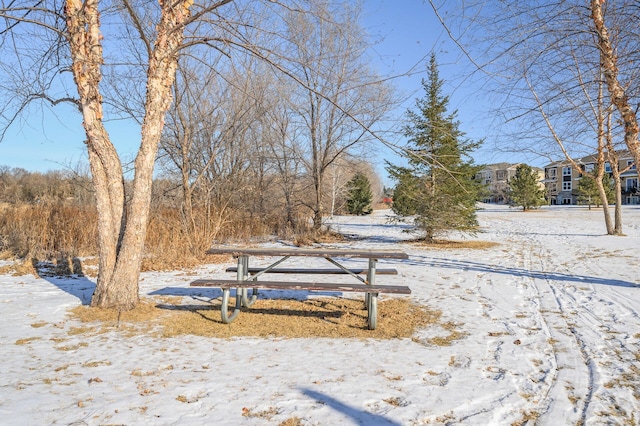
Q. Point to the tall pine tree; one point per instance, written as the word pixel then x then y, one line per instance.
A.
pixel 437 186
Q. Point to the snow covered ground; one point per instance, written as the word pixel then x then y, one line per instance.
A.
pixel 550 318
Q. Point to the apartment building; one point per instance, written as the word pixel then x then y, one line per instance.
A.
pixel 561 179
pixel 496 178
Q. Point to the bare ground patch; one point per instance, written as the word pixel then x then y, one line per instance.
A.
pixel 319 317
pixel 453 244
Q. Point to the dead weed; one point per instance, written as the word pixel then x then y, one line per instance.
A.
pixel 292 421
pixel 453 244
pixel 19 268
pixel 317 236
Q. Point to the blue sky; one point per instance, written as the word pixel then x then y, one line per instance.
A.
pixel 411 31
pixel 46 139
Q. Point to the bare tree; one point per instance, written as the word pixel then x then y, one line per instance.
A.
pixel 597 115
pixel 208 142
pixel 340 96
pixel 122 226
pixel 283 142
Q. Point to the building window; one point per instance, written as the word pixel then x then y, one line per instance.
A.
pixel 566 171
pixel 631 184
pixel 550 173
pixel 589 167
pixel 566 186
pixel 632 164
pixel 607 167
pixel 501 175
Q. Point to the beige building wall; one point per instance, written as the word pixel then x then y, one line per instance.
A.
pixel 561 179
pixel 496 178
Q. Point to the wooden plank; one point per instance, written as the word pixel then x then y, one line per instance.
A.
pixel 315 252
pixel 312 286
pixel 332 271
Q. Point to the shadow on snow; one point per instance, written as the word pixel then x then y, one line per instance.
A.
pixel 517 272
pixel 360 416
pixel 76 285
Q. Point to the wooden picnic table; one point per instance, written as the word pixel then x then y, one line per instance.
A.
pixel 247 278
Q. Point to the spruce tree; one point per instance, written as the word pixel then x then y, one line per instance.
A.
pixel 359 197
pixel 525 188
pixel 406 191
pixel 588 192
pixel 437 186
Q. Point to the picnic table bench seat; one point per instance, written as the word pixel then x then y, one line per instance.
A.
pixel 316 271
pixel 311 286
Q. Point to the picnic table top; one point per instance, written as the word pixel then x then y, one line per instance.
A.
pixel 309 252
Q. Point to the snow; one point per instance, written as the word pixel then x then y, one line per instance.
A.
pixel 550 318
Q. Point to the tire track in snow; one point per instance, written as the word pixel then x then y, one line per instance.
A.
pixel 520 329
pixel 582 401
pixel 571 374
pixel 589 317
pixel 595 311
pixel 520 352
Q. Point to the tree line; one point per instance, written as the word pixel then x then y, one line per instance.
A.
pixel 20 186
pixel 34 205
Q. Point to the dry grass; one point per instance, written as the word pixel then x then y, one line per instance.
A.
pixel 48 231
pixel 44 230
pixel 293 421
pixel 317 236
pixel 145 311
pixel 55 236
pixel 264 414
pixel 26 340
pixel 19 268
pixel 322 317
pixel 447 340
pixel 396 401
pixel 451 244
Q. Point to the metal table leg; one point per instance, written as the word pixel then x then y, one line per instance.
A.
pixel 242 275
pixel 372 318
pixel 371 280
pixel 226 318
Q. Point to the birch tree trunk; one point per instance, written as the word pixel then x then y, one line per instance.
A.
pixel 618 94
pixel 122 225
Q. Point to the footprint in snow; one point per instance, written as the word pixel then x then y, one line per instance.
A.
pixel 436 379
pixel 493 373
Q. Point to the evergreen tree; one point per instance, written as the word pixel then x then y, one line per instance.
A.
pixel 359 197
pixel 525 188
pixel 437 186
pixel 588 190
pixel 406 192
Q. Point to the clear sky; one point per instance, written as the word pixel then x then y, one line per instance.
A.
pixel 47 139
pixel 410 31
